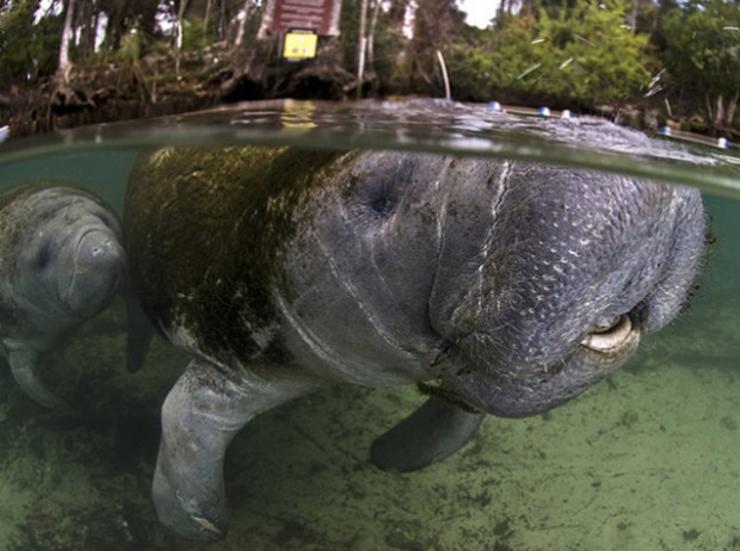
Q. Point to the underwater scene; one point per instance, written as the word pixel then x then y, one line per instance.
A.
pixel 646 458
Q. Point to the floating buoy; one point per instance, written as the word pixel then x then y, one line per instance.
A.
pixel 544 111
pixel 494 106
pixel 565 114
pixel 665 131
pixel 722 143
pixel 4 133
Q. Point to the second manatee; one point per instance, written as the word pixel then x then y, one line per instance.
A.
pixel 61 263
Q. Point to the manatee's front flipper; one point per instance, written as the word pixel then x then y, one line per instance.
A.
pixel 23 363
pixel 202 413
pixel 437 429
pixel 139 334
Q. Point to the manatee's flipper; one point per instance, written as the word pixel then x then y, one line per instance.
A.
pixel 437 429
pixel 23 363
pixel 139 334
pixel 202 413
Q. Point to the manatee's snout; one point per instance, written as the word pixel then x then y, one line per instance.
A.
pixel 525 390
pixel 97 269
pixel 574 270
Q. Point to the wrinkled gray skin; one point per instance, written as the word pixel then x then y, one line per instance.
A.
pixel 514 287
pixel 61 262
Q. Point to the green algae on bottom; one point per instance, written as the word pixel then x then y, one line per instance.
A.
pixel 646 462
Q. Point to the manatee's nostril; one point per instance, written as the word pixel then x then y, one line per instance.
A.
pixel 107 246
pixel 610 338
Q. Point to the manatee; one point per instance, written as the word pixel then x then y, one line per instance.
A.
pixel 499 287
pixel 61 263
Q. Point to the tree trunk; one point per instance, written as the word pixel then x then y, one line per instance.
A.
pixel 710 111
pixel 632 18
pixel 114 29
pixel 179 26
pixel 731 109
pixel 179 33
pixel 207 15
pixel 267 18
pixel 361 46
pixel 65 65
pixel 87 18
pixel 371 36
pixel 719 112
pixel 242 24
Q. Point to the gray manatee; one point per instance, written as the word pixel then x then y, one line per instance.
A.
pixel 61 262
pixel 502 287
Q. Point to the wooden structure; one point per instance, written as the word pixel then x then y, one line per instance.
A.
pixel 299 24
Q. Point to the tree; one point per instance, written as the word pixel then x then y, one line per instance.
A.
pixel 593 57
pixel 702 52
pixel 436 24
pixel 361 46
pixel 64 65
pixel 581 54
pixel 28 48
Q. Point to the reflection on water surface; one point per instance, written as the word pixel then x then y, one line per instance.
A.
pixel 422 125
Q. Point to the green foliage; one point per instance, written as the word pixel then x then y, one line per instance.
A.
pixel 27 50
pixel 582 53
pixel 702 49
pixel 196 35
pixel 490 60
pixel 130 50
pixel 608 61
pixel 389 42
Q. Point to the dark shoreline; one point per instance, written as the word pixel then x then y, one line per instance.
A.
pixel 97 94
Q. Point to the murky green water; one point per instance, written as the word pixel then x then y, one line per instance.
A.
pixel 649 459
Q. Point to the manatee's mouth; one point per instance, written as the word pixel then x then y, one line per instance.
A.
pixel 613 338
pixel 602 350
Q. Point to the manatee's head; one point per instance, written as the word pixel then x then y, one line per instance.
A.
pixel 573 270
pixel 71 261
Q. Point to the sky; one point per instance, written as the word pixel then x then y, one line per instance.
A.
pixel 479 12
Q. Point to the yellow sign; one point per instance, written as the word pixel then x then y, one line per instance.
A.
pixel 300 45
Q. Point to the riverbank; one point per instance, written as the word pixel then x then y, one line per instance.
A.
pixel 162 84
pixel 113 91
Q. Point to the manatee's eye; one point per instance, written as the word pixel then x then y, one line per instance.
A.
pixel 381 197
pixel 380 204
pixel 43 256
pixel 377 194
pixel 375 201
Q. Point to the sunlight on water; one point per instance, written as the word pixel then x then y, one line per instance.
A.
pixel 647 460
